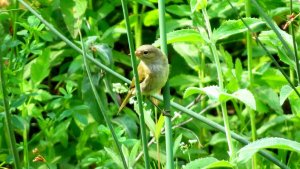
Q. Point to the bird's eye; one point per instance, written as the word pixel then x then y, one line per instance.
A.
pixel 146 52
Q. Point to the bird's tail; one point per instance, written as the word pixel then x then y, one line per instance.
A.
pixel 125 101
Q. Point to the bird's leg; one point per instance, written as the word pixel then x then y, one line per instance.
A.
pixel 164 112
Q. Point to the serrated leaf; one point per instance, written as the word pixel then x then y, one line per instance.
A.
pixel 246 97
pixel 208 162
pixel 245 153
pixel 183 35
pixel 233 27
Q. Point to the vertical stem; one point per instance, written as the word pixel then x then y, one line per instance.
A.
pixel 101 106
pixel 137 26
pixel 8 125
pixel 137 85
pixel 294 45
pixel 213 49
pixel 166 92
pixel 249 55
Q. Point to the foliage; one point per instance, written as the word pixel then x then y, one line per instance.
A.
pixel 57 120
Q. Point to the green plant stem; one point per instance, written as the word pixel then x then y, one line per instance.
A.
pixel 177 106
pixel 101 106
pixel 249 59
pixel 137 26
pixel 137 85
pixel 213 49
pixel 9 129
pixel 264 48
pixel 294 45
pixel 166 92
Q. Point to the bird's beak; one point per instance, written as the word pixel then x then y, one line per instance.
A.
pixel 138 53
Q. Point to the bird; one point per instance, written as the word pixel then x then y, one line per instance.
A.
pixel 153 72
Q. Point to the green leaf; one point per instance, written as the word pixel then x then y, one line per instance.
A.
pixel 190 53
pixel 183 80
pixel 134 153
pixel 73 11
pixel 208 162
pixel 179 10
pixel 285 91
pixel 158 126
pixel 145 2
pixel 183 35
pixel 245 153
pixel 196 5
pixel 233 27
pixel 176 144
pixel 215 93
pixel 116 158
pixel 268 96
pixel 40 69
pixel 151 18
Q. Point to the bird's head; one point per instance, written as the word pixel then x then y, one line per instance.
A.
pixel 148 53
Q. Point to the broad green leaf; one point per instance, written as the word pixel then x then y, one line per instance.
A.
pixel 246 97
pixel 151 18
pixel 285 91
pixel 128 124
pixel 158 126
pixel 215 93
pixel 173 24
pixel 190 53
pixel 208 162
pixel 40 69
pixel 238 69
pixel 269 97
pixel 184 79
pixel 233 27
pixel 179 10
pixel 183 35
pixel 245 153
pixel 72 11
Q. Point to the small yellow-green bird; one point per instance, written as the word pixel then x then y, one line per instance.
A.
pixel 153 71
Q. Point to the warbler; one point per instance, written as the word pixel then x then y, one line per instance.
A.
pixel 153 71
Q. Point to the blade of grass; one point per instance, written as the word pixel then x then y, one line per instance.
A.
pixel 166 92
pixel 177 106
pixel 100 104
pixel 137 85
pixel 9 129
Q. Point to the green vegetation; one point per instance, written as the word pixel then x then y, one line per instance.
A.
pixel 232 99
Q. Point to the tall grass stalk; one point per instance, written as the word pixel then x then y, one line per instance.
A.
pixel 214 52
pixel 177 106
pixel 250 77
pixel 166 93
pixel 9 129
pixel 137 85
pixel 101 106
